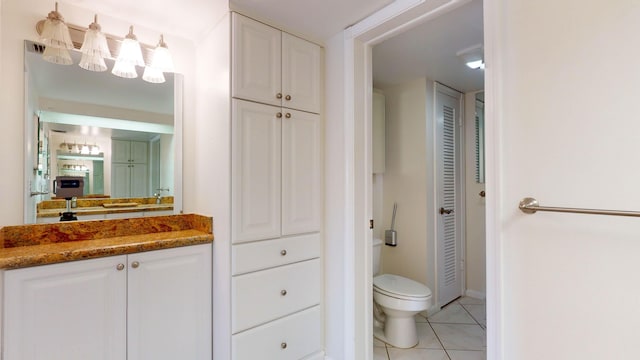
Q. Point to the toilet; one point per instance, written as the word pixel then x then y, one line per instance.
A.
pixel 396 301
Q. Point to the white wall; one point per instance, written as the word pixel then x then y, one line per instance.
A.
pixel 563 127
pixel 17 23
pixel 475 249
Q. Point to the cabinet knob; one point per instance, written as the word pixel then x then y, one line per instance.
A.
pixel 279 96
pixel 279 115
pixel 120 267
pixel 287 115
pixel 288 97
pixel 283 292
pixel 283 252
pixel 135 264
pixel 283 345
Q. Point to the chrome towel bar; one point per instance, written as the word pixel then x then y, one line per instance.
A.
pixel 530 205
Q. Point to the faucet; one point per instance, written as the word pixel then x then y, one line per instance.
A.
pixel 158 195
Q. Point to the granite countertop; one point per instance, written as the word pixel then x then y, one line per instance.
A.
pixel 42 244
pixel 53 208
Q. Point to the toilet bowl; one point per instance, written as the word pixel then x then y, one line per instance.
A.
pixel 400 300
pixel 396 300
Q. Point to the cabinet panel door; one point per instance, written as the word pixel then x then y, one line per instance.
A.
pixel 289 338
pixel 301 74
pixel 169 314
pixel 139 152
pixel 120 151
pixel 140 180
pixel 255 171
pixel 71 311
pixel 266 295
pixel 120 180
pixel 301 177
pixel 256 64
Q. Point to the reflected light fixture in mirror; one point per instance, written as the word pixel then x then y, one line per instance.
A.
pixel 55 35
pixel 94 48
pixel 129 57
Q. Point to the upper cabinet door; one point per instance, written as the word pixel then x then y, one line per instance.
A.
pixel 139 152
pixel 255 171
pixel 120 151
pixel 301 74
pixel 256 65
pixel 301 172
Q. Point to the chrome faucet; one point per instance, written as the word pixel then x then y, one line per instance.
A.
pixel 158 194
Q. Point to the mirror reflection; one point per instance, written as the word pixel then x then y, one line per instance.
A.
pixel 98 136
pixel 479 132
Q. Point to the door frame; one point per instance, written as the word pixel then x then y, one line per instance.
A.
pixel 358 41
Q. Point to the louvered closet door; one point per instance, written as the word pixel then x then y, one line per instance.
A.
pixel 449 209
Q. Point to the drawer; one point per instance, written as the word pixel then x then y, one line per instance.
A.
pixel 289 338
pixel 270 253
pixel 266 295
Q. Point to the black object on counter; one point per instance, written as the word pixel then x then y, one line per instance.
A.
pixel 68 215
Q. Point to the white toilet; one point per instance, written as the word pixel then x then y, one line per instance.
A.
pixel 400 299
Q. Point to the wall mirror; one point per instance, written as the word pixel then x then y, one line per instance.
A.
pixel 83 121
pixel 479 134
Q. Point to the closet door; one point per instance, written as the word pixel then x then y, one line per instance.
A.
pixel 256 66
pixel 301 75
pixel 255 171
pixel 301 166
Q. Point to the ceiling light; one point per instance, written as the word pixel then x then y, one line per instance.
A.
pixel 473 56
pixel 130 55
pixel 94 48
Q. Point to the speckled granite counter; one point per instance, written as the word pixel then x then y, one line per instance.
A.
pixel 41 244
pixel 93 206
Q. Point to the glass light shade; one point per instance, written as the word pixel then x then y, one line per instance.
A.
pixel 85 149
pixel 124 70
pixel 130 51
pixel 162 59
pixel 55 32
pixel 95 150
pixel 57 55
pixel 93 63
pixel 153 75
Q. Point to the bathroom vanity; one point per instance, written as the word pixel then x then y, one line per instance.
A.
pixel 115 289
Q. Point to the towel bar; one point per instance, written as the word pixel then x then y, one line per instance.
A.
pixel 530 205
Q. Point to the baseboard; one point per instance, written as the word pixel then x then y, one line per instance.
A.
pixel 476 294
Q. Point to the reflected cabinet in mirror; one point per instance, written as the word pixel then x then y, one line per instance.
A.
pixel 107 142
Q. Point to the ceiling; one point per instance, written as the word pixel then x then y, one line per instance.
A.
pixel 429 50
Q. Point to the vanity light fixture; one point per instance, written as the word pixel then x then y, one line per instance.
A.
pixel 94 48
pixel 160 63
pixel 129 57
pixel 56 38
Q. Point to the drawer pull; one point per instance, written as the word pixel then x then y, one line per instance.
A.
pixel 283 345
pixel 120 267
pixel 135 264
pixel 283 292
pixel 283 252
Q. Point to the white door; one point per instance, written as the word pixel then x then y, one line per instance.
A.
pixel 301 75
pixel 255 171
pixel 301 186
pixel 139 180
pixel 139 152
pixel 120 180
pixel 71 311
pixel 448 119
pixel 169 314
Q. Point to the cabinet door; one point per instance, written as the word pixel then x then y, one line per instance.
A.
pixel 256 64
pixel 301 74
pixel 71 311
pixel 120 151
pixel 120 180
pixel 255 171
pixel 139 180
pixel 139 152
pixel 169 314
pixel 301 177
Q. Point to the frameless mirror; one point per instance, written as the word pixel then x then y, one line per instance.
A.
pixel 479 133
pixel 93 125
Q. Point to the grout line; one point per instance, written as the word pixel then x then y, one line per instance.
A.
pixel 438 337
pixel 470 314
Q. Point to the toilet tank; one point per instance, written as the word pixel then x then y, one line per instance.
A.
pixel 375 261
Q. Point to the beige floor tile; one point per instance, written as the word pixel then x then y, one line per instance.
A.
pixel 426 337
pixel 461 336
pixel 380 353
pixel 417 354
pixel 478 312
pixel 471 301
pixel 452 314
pixel 467 355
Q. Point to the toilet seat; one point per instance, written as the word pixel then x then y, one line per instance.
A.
pixel 400 287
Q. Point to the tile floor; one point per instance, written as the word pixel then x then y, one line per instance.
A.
pixel 456 332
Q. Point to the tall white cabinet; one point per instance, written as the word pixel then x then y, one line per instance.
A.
pixel 276 194
pixel 151 305
pixel 129 168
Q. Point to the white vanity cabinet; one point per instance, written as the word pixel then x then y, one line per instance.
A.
pixel 273 67
pixel 151 305
pixel 276 194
